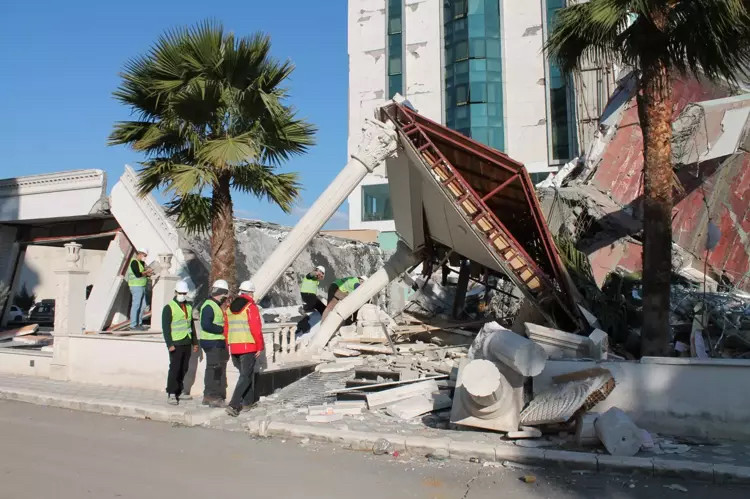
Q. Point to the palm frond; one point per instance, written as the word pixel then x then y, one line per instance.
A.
pixel 193 212
pixel 226 151
pixel 260 180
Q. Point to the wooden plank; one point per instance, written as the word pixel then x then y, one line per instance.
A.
pixel 366 348
pixel 383 398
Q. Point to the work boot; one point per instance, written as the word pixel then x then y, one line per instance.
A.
pixel 216 403
pixel 246 407
pixel 172 399
pixel 186 396
pixel 232 411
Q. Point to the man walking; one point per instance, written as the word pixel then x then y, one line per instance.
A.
pixel 214 345
pixel 244 333
pixel 137 277
pixel 309 290
pixel 340 289
pixel 179 335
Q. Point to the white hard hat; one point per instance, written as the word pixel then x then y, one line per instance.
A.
pixel 181 287
pixel 221 284
pixel 247 286
pixel 321 269
pixel 143 250
pixel 363 278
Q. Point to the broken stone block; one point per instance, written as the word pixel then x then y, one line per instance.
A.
pixel 345 352
pixel 324 418
pixel 559 344
pixel 376 400
pixel 618 433
pixel 526 432
pixel 599 344
pixel 418 405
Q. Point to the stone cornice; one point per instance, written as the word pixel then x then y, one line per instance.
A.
pixel 53 182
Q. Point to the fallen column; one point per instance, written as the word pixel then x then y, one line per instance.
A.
pixel 378 142
pixel 498 344
pixel 401 260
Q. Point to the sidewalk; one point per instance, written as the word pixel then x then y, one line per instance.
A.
pixel 718 462
pixel 110 400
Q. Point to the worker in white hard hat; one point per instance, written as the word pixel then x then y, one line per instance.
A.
pixel 243 330
pixel 214 345
pixel 182 342
pixel 137 276
pixel 308 288
pixel 340 289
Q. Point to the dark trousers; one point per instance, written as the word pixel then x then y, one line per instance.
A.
pixel 179 363
pixel 332 291
pixel 243 392
pixel 214 382
pixel 312 302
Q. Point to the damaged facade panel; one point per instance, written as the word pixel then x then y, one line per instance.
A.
pixel 481 204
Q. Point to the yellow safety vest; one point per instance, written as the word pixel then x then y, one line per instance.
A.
pixel 134 281
pixel 239 329
pixel 346 285
pixel 309 286
pixel 218 321
pixel 180 327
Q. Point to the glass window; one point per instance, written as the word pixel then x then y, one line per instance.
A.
pixel 395 61
pixel 376 203
pixel 395 84
pixel 561 117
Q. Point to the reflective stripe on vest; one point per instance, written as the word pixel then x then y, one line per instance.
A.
pixel 180 326
pixel 218 321
pixel 239 329
pixel 347 286
pixel 134 281
pixel 309 286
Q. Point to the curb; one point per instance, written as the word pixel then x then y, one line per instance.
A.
pixel 465 451
pixel 189 417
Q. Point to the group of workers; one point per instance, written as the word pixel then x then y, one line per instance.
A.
pixel 228 329
pixel 337 290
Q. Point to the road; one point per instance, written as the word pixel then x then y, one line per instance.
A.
pixel 57 453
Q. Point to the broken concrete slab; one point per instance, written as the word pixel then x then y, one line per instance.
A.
pixel 384 398
pixel 570 393
pixel 599 344
pixel 420 404
pixel 498 344
pixel 324 418
pixel 525 432
pixel 618 433
pixel 585 435
pixel 559 344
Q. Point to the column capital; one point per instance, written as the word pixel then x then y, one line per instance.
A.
pixel 379 141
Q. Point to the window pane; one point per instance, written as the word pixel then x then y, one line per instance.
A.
pixel 477 49
pixel 395 85
pixel 493 48
pixel 462 51
pixel 476 26
pixel 394 25
pixel 476 66
pixel 376 203
pixel 394 65
pixel 478 92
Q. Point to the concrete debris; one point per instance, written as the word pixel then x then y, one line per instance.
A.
pixel 570 393
pixel 677 487
pixel 526 432
pixel 324 418
pixel 345 352
pixel 382 447
pixel 618 433
pixel 420 404
pixel 599 344
pixel 17 332
pixel 498 344
pixel 585 435
pixel 384 398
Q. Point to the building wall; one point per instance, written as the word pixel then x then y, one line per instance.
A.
pixel 524 105
pixel 39 266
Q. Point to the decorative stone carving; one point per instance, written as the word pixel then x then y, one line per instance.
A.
pixel 165 263
pixel 379 141
pixel 73 255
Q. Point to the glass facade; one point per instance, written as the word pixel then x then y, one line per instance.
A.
pixel 562 140
pixel 376 203
pixel 395 62
pixel 473 70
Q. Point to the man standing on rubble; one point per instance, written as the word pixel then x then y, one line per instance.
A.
pixel 214 345
pixel 340 289
pixel 309 290
pixel 179 335
pixel 137 276
pixel 243 329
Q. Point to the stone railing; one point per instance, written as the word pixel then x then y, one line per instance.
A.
pixel 281 345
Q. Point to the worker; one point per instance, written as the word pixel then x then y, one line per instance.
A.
pixel 309 290
pixel 243 329
pixel 213 345
pixel 179 335
pixel 137 276
pixel 340 289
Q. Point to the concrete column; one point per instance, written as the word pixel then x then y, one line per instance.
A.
pixel 378 142
pixel 399 262
pixel 70 310
pixel 518 353
pixel 162 290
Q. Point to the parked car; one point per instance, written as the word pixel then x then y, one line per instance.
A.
pixel 15 314
pixel 43 313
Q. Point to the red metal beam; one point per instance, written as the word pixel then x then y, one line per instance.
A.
pixel 499 187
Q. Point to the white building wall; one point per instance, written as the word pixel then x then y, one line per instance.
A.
pixel 39 266
pixel 423 72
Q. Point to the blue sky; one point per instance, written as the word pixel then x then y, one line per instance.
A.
pixel 60 63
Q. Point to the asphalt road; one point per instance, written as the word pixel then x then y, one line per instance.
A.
pixel 56 453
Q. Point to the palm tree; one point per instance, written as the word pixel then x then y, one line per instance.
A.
pixel 655 37
pixel 211 116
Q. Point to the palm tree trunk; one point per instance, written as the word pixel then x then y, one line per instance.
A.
pixel 222 233
pixel 655 113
